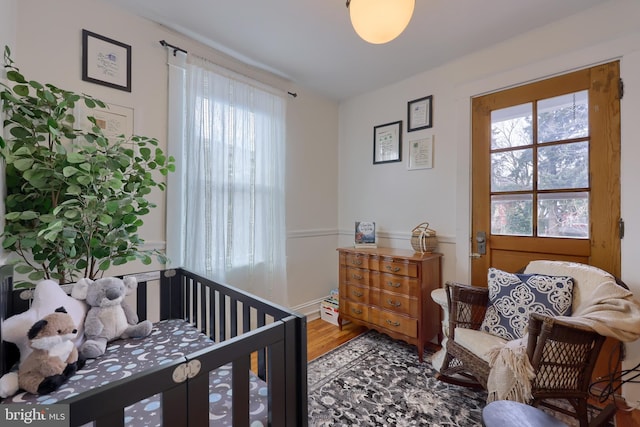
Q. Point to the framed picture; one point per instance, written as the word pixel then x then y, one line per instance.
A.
pixel 420 113
pixel 421 153
pixel 387 143
pixel 105 61
pixel 114 121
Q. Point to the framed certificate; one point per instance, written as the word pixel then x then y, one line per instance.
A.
pixel 420 113
pixel 421 153
pixel 105 61
pixel 387 143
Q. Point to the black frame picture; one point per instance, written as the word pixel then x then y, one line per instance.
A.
pixel 387 143
pixel 420 113
pixel 106 61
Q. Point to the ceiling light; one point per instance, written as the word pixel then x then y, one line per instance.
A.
pixel 380 21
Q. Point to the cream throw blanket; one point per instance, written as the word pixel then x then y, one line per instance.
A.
pixel 612 311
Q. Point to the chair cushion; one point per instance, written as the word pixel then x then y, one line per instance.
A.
pixel 512 297
pixel 478 342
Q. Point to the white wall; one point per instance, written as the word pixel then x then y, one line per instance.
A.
pixel 399 199
pixel 46 39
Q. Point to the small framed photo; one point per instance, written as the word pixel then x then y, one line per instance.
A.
pixel 387 143
pixel 420 113
pixel 105 61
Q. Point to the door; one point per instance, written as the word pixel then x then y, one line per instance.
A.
pixel 546 173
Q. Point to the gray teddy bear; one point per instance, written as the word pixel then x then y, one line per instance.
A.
pixel 109 317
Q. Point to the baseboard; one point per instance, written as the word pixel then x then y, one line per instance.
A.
pixel 310 309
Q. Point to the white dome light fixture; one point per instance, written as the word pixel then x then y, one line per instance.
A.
pixel 380 21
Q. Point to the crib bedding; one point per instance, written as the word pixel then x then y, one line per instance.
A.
pixel 169 340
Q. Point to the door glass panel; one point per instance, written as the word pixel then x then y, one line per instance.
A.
pixel 512 214
pixel 512 170
pixel 563 215
pixel 563 166
pixel 563 117
pixel 511 127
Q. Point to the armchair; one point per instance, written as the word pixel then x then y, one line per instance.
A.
pixel 561 352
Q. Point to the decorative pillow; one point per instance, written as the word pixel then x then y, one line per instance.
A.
pixel 513 296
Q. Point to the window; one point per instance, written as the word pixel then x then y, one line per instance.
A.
pixel 540 168
pixel 232 179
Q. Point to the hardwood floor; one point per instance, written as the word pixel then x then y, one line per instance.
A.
pixel 323 337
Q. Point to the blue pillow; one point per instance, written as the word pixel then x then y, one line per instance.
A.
pixel 513 296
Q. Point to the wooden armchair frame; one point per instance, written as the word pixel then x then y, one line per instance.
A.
pixel 563 355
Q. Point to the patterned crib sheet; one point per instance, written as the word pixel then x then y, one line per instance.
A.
pixel 169 340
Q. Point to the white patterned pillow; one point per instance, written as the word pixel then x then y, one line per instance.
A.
pixel 513 296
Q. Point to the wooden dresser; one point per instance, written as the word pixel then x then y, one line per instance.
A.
pixel 389 290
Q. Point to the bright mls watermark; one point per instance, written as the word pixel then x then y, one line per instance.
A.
pixel 34 415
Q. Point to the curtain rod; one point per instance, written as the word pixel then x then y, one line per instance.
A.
pixel 176 49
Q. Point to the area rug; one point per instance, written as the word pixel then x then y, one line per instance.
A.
pixel 374 380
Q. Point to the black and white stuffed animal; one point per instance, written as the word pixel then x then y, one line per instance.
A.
pixel 54 357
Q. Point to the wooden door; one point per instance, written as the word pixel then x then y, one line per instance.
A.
pixel 546 173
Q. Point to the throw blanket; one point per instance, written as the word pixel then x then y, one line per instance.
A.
pixel 612 312
pixel 511 372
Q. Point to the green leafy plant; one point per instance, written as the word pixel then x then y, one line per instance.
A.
pixel 74 197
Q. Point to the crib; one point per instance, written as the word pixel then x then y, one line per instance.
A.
pixel 240 360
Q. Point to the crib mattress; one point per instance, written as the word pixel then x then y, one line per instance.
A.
pixel 169 340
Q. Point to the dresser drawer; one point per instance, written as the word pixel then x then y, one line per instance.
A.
pixel 356 260
pixel 355 310
pixel 355 293
pixel 358 276
pixel 395 302
pixel 398 284
pixel 395 322
pixel 399 267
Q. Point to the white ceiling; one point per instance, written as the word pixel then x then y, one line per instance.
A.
pixel 312 43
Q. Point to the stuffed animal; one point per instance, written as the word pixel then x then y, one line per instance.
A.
pixel 109 317
pixel 47 296
pixel 54 357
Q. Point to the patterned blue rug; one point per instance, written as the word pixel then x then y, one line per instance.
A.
pixel 374 380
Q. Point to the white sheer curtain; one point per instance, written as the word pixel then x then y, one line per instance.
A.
pixel 227 196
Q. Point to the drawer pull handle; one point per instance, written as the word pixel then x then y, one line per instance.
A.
pixel 356 311
pixel 358 293
pixel 392 268
pixel 394 303
pixel 393 323
pixel 357 276
pixel 394 285
pixel 356 262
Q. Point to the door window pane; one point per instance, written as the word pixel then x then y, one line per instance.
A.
pixel 563 117
pixel 512 214
pixel 512 170
pixel 511 127
pixel 563 166
pixel 563 215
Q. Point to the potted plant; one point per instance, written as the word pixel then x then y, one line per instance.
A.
pixel 75 198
